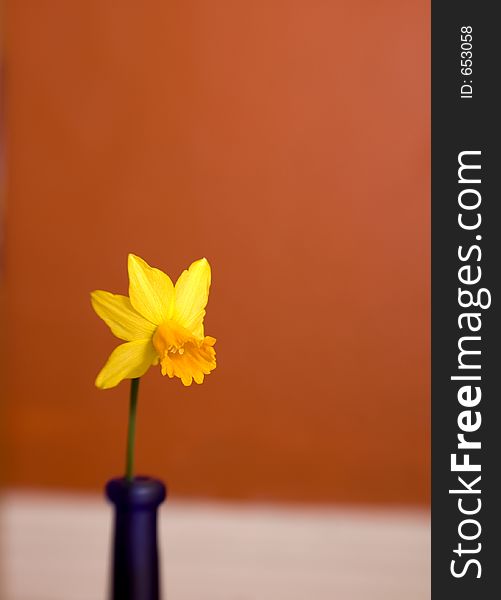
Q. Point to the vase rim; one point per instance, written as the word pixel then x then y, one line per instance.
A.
pixel 140 492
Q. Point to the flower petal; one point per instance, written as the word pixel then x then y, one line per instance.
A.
pixel 120 316
pixel 192 363
pixel 127 361
pixel 151 291
pixel 192 295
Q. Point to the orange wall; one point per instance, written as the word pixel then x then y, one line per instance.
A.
pixel 287 141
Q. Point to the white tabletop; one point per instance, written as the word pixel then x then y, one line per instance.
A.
pixel 56 547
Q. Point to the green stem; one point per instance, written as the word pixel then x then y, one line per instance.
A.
pixel 129 465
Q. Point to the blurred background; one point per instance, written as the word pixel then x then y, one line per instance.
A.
pixel 288 142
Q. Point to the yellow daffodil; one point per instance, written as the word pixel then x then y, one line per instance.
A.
pixel 160 323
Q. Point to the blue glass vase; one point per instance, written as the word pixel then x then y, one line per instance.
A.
pixel 135 574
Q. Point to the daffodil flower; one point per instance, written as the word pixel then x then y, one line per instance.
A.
pixel 160 323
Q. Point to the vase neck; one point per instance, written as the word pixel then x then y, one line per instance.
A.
pixel 136 574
